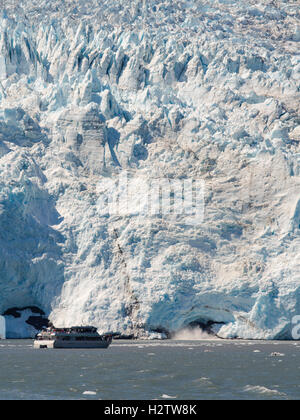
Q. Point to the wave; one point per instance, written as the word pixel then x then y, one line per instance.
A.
pixel 257 389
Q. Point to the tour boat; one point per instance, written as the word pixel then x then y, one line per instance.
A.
pixel 72 338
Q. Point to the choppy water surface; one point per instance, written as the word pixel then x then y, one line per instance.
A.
pixel 152 370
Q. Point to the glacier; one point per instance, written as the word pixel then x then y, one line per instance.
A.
pixel 180 90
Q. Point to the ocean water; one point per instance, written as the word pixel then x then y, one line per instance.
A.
pixel 212 369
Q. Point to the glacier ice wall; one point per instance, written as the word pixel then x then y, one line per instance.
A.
pixel 184 89
pixel 2 328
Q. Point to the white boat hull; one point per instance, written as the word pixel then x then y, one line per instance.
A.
pixel 59 344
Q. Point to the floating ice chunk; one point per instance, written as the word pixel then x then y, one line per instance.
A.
pixel 276 354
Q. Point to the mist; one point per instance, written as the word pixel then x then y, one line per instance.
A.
pixel 193 334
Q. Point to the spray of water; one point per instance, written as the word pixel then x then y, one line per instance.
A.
pixel 193 334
